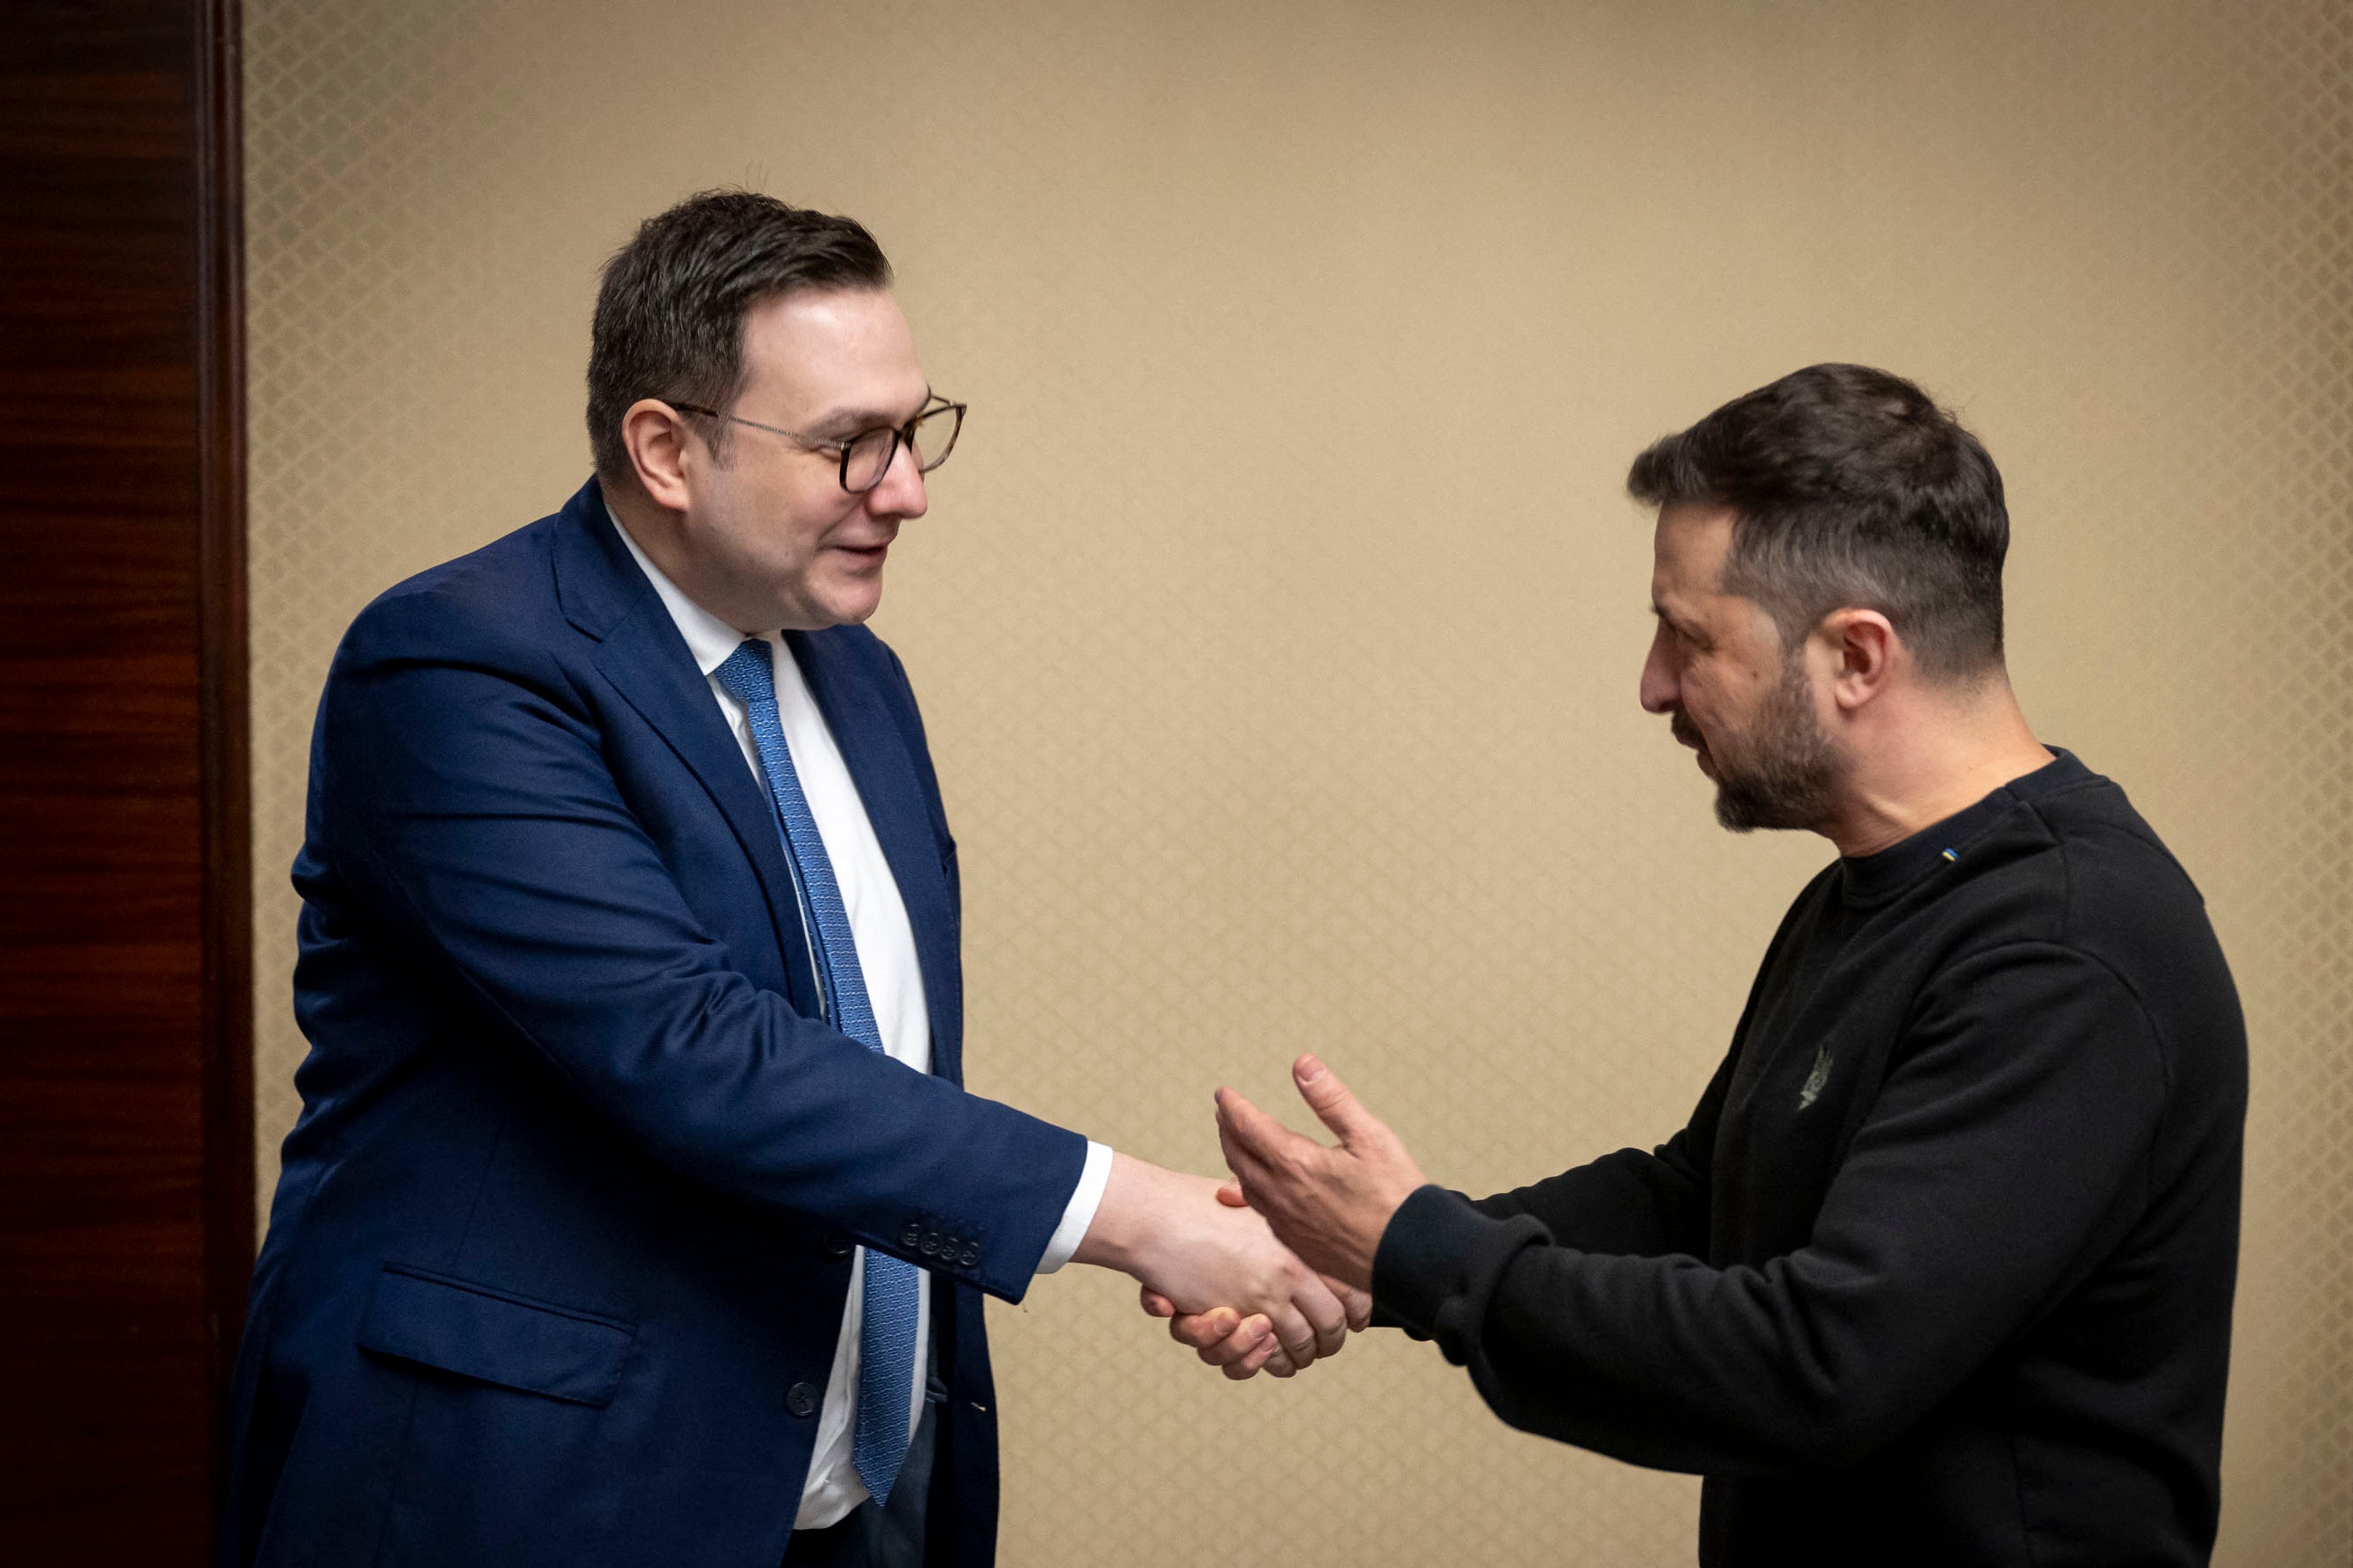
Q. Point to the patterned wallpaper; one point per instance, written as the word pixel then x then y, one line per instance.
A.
pixel 1278 622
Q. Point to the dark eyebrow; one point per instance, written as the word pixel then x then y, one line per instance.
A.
pixel 848 422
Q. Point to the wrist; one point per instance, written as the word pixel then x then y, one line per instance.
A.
pixel 1116 1236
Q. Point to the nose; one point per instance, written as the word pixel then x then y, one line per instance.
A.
pixel 900 492
pixel 1660 688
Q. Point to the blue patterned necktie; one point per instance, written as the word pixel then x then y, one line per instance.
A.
pixel 886 1357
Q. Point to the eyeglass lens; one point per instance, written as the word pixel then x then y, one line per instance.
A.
pixel 870 455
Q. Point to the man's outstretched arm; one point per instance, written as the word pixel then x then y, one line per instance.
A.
pixel 467 806
pixel 2002 1160
pixel 1643 1204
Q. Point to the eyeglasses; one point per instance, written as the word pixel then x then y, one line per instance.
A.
pixel 866 457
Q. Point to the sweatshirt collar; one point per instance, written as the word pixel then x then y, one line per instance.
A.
pixel 1872 878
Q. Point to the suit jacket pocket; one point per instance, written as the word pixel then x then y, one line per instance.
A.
pixel 456 1325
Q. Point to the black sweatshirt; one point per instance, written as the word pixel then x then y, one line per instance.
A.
pixel 1940 1271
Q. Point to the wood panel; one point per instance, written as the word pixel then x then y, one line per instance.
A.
pixel 125 1034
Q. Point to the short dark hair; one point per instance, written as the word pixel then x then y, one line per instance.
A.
pixel 669 310
pixel 1850 487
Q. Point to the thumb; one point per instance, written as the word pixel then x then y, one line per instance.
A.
pixel 1231 1195
pixel 1329 1099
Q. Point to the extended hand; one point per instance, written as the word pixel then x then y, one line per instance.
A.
pixel 1238 1345
pixel 1182 1245
pixel 1328 1206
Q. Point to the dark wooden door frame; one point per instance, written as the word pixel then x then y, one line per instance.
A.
pixel 126 1128
pixel 224 707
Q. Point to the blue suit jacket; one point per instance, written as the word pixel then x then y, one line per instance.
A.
pixel 560 1247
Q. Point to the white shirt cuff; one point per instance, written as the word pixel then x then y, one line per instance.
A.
pixel 1085 1198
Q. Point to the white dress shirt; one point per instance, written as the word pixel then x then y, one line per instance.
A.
pixel 894 986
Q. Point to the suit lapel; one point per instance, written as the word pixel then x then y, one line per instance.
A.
pixel 891 790
pixel 642 653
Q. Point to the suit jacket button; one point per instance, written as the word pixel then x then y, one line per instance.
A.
pixel 803 1399
pixel 909 1237
pixel 836 1246
pixel 932 1244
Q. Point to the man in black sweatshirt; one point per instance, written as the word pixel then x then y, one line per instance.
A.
pixel 1940 1271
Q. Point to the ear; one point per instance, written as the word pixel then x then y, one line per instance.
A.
pixel 657 439
pixel 1864 650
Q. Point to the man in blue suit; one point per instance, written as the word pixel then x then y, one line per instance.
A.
pixel 635 1213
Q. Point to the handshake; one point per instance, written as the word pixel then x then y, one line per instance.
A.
pixel 1271 1271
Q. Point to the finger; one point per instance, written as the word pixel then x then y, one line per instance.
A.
pixel 1244 1125
pixel 1203 1328
pixel 1237 1342
pixel 1252 1336
pixel 1155 1304
pixel 1251 1140
pixel 1326 1316
pixel 1231 1195
pixel 1357 1304
pixel 1295 1333
pixel 1326 1095
pixel 1269 1356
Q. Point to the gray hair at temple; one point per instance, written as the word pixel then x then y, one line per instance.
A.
pixel 1850 488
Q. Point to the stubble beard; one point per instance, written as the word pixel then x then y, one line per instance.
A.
pixel 1788 776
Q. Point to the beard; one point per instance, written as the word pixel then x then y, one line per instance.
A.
pixel 1783 772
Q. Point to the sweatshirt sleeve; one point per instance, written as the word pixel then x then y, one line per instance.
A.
pixel 2004 1154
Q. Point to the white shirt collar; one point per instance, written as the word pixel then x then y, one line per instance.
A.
pixel 708 639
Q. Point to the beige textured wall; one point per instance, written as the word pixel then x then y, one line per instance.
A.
pixel 1278 620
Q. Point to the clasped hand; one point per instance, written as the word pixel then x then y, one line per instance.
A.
pixel 1327 1204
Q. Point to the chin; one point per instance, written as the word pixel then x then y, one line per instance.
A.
pixel 852 607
